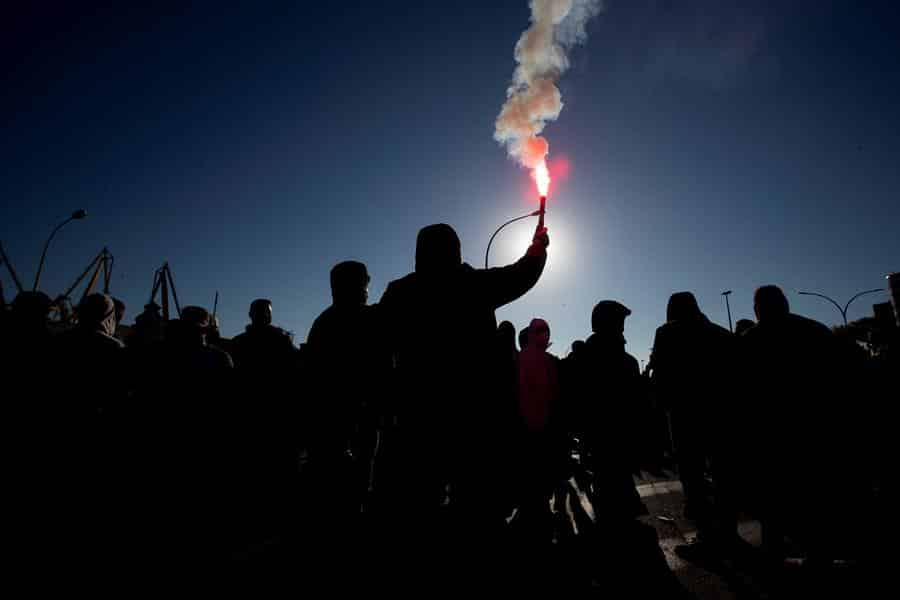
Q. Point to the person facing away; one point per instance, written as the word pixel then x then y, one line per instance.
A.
pixel 506 338
pixel 265 370
pixel 609 412
pixel 541 441
pixel 538 378
pixel 349 364
pixel 507 361
pixel 26 335
pixel 805 429
pixel 92 363
pixel 690 363
pixel 188 347
pixel 91 389
pixel 262 349
pixel 607 409
pixel 444 409
pixel 185 445
pixel 32 478
pixel 91 349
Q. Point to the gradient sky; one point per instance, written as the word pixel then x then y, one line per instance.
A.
pixel 710 146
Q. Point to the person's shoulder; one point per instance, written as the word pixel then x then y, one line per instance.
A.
pixel 719 330
pixel 631 362
pixel 219 356
pixel 325 314
pixel 323 321
pixel 666 328
pixel 113 343
pixel 719 335
pixel 406 280
pixel 398 288
pixel 283 337
pixel 752 334
pixel 277 332
pixel 808 325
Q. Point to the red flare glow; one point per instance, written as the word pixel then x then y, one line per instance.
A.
pixel 542 177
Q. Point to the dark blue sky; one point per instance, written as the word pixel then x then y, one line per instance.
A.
pixel 712 145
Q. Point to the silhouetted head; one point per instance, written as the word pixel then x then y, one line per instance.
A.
pixel 578 346
pixel 151 314
pixel 770 303
pixel 97 312
pixel 194 322
pixel 260 312
pixel 349 284
pixel 523 338
pixel 682 306
pixel 609 317
pixel 506 335
pixel 437 249
pixel 539 334
pixel 149 324
pixel 743 325
pixel 120 310
pixel 31 308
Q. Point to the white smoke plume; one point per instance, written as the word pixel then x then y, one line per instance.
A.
pixel 533 98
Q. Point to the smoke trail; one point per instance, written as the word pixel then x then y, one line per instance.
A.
pixel 533 98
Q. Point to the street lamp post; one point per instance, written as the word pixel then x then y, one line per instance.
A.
pixel 728 308
pixel 77 215
pixel 842 310
pixel 12 272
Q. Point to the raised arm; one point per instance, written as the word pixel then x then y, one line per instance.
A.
pixel 502 285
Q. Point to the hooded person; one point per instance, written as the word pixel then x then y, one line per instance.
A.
pixel 691 364
pixel 542 440
pixel 444 411
pixel 538 378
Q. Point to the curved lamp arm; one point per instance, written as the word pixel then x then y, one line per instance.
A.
pixel 491 241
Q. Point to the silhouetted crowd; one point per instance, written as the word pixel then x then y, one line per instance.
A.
pixel 412 444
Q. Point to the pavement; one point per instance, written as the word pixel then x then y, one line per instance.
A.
pixel 728 579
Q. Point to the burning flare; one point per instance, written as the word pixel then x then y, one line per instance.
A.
pixel 532 98
pixel 541 177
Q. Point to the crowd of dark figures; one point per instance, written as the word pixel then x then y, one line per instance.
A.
pixel 414 444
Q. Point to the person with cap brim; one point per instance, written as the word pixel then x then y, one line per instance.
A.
pixel 607 398
pixel 348 362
